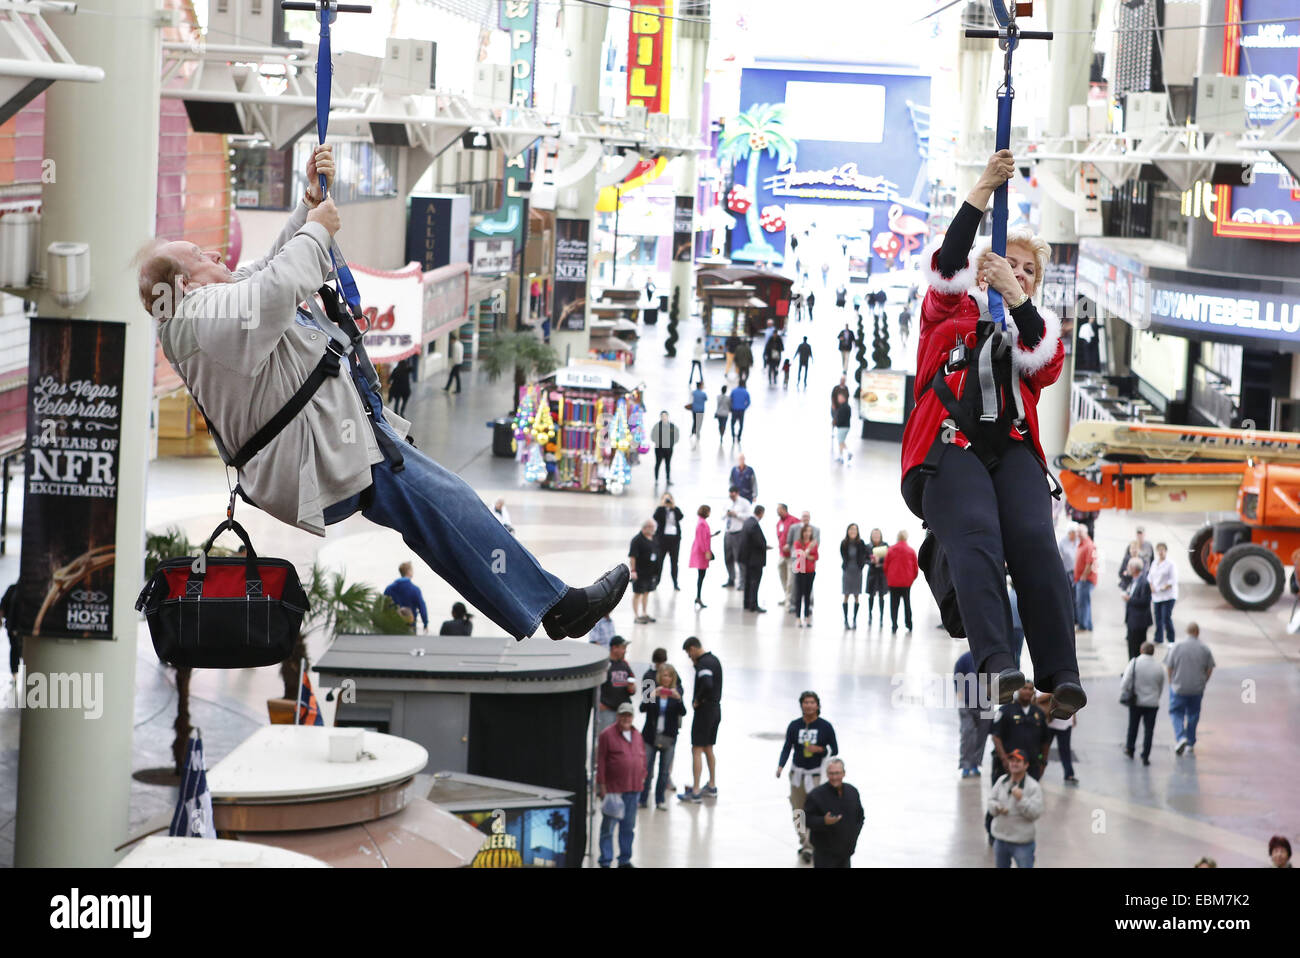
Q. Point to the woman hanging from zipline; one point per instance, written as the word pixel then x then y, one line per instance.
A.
pixel 973 467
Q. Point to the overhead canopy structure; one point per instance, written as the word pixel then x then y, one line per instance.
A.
pixel 31 56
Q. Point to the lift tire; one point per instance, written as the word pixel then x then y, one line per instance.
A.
pixel 1251 577
pixel 1198 552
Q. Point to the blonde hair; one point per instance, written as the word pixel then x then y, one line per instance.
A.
pixel 667 669
pixel 1041 249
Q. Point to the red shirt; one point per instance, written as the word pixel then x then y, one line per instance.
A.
pixel 900 566
pixel 948 316
pixel 620 764
pixel 805 556
pixel 782 530
pixel 1085 558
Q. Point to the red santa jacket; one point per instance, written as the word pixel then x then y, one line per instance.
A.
pixel 948 315
pixel 900 566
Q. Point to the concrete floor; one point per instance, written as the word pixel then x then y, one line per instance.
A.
pixel 901 753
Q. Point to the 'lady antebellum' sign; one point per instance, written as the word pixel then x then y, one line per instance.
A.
pixel 74 430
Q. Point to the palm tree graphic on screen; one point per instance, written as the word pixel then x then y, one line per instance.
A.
pixel 747 136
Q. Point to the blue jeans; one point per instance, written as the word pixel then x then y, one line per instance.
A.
pixel 1006 852
pixel 626 831
pixel 1083 604
pixel 1164 619
pixel 665 756
pixel 447 525
pixel 1184 708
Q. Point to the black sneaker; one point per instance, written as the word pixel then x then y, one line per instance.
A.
pixel 602 597
pixel 1006 684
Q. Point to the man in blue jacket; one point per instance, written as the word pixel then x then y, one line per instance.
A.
pixel 739 403
pixel 812 740
pixel 407 595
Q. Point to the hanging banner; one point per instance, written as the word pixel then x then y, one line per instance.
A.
pixel 74 429
pixel 519 20
pixel 570 305
pixel 683 228
pixel 649 54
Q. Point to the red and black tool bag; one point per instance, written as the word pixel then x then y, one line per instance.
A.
pixel 233 612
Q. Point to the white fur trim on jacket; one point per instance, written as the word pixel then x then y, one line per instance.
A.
pixel 1027 361
pixel 961 281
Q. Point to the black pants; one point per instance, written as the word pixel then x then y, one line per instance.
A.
pixel 666 457
pixel 803 375
pixel 695 364
pixel 1063 755
pixel 823 859
pixel 772 369
pixel 669 546
pixel 398 401
pixel 989 525
pixel 453 373
pixel 1135 639
pixel 699 584
pixel 753 575
pixel 1147 716
pixel 899 594
pixel 737 424
pixel 15 652
pixel 803 582
pixel 722 427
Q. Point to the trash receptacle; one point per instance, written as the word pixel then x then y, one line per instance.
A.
pixel 503 437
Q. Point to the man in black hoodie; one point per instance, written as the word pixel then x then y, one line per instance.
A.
pixel 812 739
pixel 834 816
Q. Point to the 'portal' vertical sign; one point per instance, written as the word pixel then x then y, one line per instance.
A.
pixel 74 431
pixel 649 54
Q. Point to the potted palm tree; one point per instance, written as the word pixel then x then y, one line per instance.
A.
pixel 520 351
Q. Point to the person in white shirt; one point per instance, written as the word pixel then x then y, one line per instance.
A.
pixel 1164 592
pixel 739 510
pixel 455 359
pixel 697 361
pixel 1069 547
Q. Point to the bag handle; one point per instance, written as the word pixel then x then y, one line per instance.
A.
pixel 252 577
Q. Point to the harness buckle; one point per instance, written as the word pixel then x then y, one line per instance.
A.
pixel 958 358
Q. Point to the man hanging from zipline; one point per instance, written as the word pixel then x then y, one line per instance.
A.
pixel 261 351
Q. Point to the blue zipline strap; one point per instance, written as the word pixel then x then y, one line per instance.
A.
pixel 343 281
pixel 1005 97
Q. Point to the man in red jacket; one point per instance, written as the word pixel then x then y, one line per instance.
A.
pixel 620 775
pixel 900 573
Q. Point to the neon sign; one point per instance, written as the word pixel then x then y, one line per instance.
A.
pixel 649 55
pixel 841 183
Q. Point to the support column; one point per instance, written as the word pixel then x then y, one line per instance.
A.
pixel 693 54
pixel 74 774
pixel 584 35
pixel 1070 55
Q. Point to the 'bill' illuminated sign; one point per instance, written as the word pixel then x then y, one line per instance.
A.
pixel 649 55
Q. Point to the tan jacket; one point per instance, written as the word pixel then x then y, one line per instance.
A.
pixel 243 351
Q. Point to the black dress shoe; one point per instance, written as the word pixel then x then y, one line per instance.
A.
pixel 1007 683
pixel 602 596
pixel 757 609
pixel 1067 698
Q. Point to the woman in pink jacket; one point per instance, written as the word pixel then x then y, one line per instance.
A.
pixel 701 552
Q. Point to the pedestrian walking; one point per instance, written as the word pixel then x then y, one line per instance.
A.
pixel 1015 803
pixel 1085 578
pixel 455 360
pixel 876 584
pixel 785 373
pixel 664 435
pixel 811 301
pixel 900 572
pixel 854 557
pixel 1017 626
pixel 772 357
pixel 843 417
pixel 738 511
pixel 706 706
pixel 1189 665
pixel 744 359
pixel 744 479
pixel 974 720
pixel 663 708
pixel 459 623
pixel 811 740
pixel 804 553
pixel 753 557
pixel 1137 607
pixel 644 561
pixel 739 403
pixel 619 685
pixel 9 614
pixel 399 386
pixel 729 350
pixel 701 553
pixel 698 355
pixel 1163 577
pixel 797 302
pixel 696 407
pixel 1058 731
pixel 668 536
pixel 408 598
pixel 804 353
pixel 834 815
pixel 620 775
pixel 845 340
pixel 1139 690
pixel 722 412
pixel 905 323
